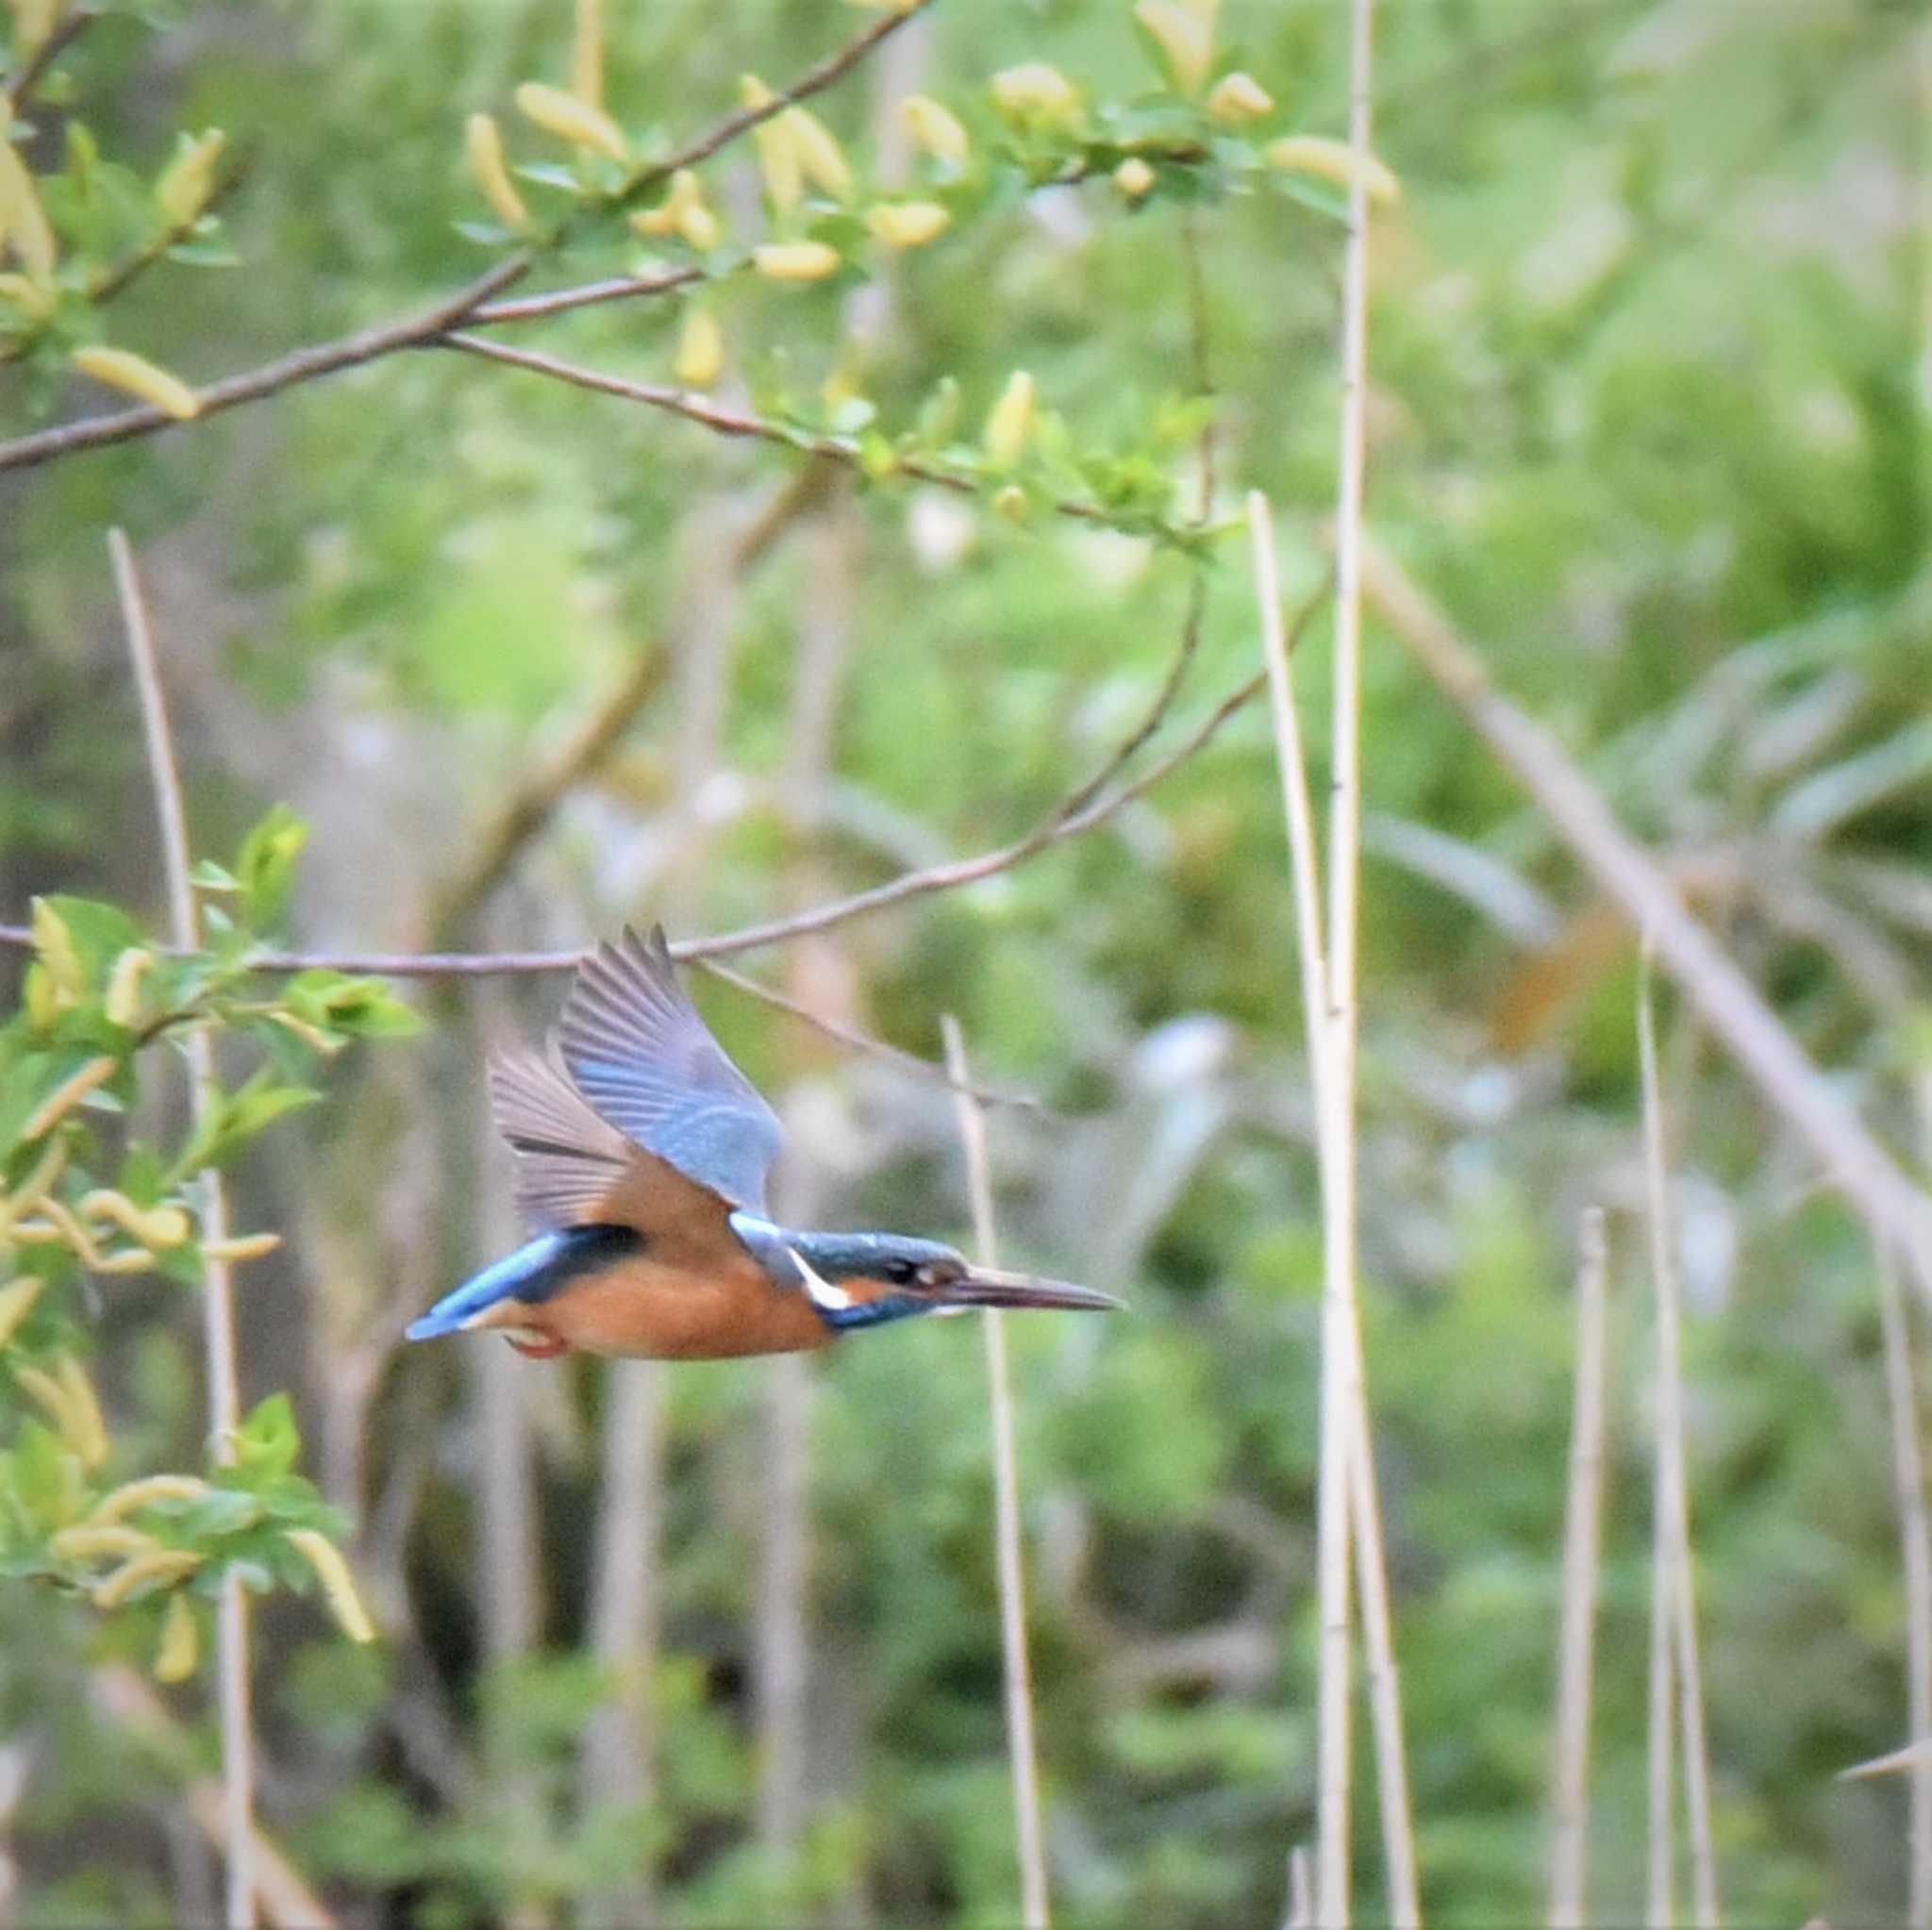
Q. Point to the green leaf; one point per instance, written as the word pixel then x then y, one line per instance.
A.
pixel 267 1443
pixel 265 865
pixel 236 1117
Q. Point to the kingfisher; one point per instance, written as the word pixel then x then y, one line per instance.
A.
pixel 641 1154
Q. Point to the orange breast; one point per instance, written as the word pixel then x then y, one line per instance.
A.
pixel 662 1312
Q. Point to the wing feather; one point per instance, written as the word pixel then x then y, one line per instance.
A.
pixel 637 1049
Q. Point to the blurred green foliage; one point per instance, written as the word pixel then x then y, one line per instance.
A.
pixel 1647 413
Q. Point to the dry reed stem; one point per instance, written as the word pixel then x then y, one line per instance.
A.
pixel 1675 1618
pixel 1660 1731
pixel 1915 1557
pixel 1337 1093
pixel 1582 1547
pixel 1006 1473
pixel 1363 1522
pixel 217 1300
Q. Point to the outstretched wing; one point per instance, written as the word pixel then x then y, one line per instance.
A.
pixel 569 1162
pixel 638 1052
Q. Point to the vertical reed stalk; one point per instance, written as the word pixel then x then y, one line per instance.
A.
pixel 216 1300
pixel 1582 1535
pixel 1006 1483
pixel 1341 1343
pixel 1673 1615
pixel 1915 1554
pixel 1337 1104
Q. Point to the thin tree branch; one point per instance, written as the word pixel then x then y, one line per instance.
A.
pixel 1052 830
pixel 721 421
pixel 1005 1480
pixel 66 31
pixel 855 1041
pixel 562 301
pixel 218 1307
pixel 369 344
pixel 1582 1556
pixel 1729 1004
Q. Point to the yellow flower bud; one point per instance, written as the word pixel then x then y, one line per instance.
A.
pixel 700 226
pixel 700 350
pixel 683 212
pixel 907 223
pixel 123 1002
pixel 795 261
pixel 131 1496
pixel 136 375
pixel 154 1226
pixel 1013 503
pixel 587 54
pixel 338 1584
pixel 68 1398
pixel 935 131
pixel 821 159
pixel 65 1097
pixel 179 1648
pixel 1133 177
pixel 244 1246
pixel 16 1302
pixel 89 1438
pixel 182 189
pixel 1011 424
pixel 163 1566
pixel 34 299
pixel 54 945
pixel 89 1542
pixel 483 145
pixel 23 221
pixel 1185 36
pixel 572 120
pixel 1035 95
pixel 777 151
pixel 33 21
pixel 1238 98
pixel 1333 161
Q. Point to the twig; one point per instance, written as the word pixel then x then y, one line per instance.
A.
pixel 1052 830
pixel 1582 1546
pixel 1301 1892
pixel 852 1037
pixel 1006 1477
pixel 369 344
pixel 1353 1467
pixel 218 1309
pixel 1915 1558
pixel 65 31
pixel 1673 1579
pixel 562 301
pixel 721 421
pixel 1726 1000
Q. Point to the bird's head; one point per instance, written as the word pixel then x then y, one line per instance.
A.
pixel 859 1279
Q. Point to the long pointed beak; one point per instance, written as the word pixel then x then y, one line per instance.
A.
pixel 983 1286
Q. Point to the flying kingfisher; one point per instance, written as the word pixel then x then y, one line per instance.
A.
pixel 640 1159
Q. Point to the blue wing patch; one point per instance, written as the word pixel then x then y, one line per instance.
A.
pixel 638 1051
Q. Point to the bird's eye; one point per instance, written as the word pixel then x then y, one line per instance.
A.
pixel 901 1272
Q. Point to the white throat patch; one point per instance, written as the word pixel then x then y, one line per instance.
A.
pixel 819 1290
